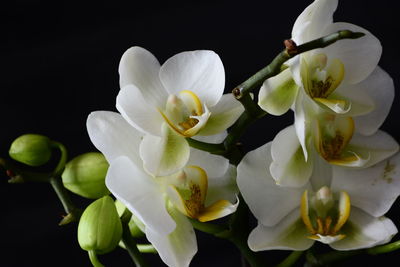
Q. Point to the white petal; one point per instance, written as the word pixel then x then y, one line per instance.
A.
pixel 364 231
pixel 134 108
pixel 268 202
pixel 379 86
pixel 164 155
pixel 140 193
pixel 140 68
pixel 223 115
pixel 222 187
pixel 109 133
pixel 313 20
pixel 214 165
pixel 359 102
pixel 373 189
pixel 278 93
pixel 303 112
pixel 177 248
pixel 359 56
pixel 375 147
pixel 322 173
pixel 289 234
pixel 198 71
pixel 289 167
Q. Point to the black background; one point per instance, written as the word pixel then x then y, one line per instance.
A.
pixel 59 62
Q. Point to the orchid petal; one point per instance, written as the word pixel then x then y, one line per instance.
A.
pixel 179 247
pixel 359 56
pixel 223 115
pixel 278 93
pixel 289 234
pixel 289 167
pixel 373 189
pixel 108 131
pixel 317 16
pixel 141 115
pixel 164 155
pixel 222 187
pixel 139 67
pixel 199 71
pixel 140 193
pixel 214 165
pixel 379 86
pixel 363 231
pixel 375 148
pixel 268 202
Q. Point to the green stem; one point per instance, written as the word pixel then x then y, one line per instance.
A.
pixel 274 67
pixel 209 228
pixel 291 259
pixel 217 149
pixel 73 213
pixel 239 233
pixel 63 158
pixel 334 256
pixel 146 248
pixel 94 260
pixel 129 241
pixel 384 248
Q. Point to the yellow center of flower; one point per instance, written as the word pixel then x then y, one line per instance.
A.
pixel 323 215
pixel 188 193
pixel 320 80
pixel 333 134
pixel 185 114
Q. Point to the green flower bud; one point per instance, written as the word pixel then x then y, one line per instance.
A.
pixel 31 149
pixel 85 175
pixel 100 228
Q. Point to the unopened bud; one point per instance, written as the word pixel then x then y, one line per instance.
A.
pixel 31 149
pixel 85 175
pixel 100 228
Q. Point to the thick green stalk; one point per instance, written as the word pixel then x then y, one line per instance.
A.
pixel 274 67
pixel 291 259
pixel 334 256
pixel 73 213
pixel 129 241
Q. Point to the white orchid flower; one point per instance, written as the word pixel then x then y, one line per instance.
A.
pixel 333 141
pixel 182 98
pixel 203 190
pixel 342 78
pixel 339 206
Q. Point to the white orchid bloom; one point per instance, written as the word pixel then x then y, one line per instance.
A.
pixel 339 206
pixel 203 190
pixel 333 141
pixel 342 78
pixel 182 98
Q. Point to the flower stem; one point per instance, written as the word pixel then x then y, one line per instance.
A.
pixel 274 67
pixel 291 259
pixel 94 260
pixel 217 149
pixel 384 248
pixel 146 248
pixel 239 233
pixel 129 241
pixel 73 213
pixel 334 256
